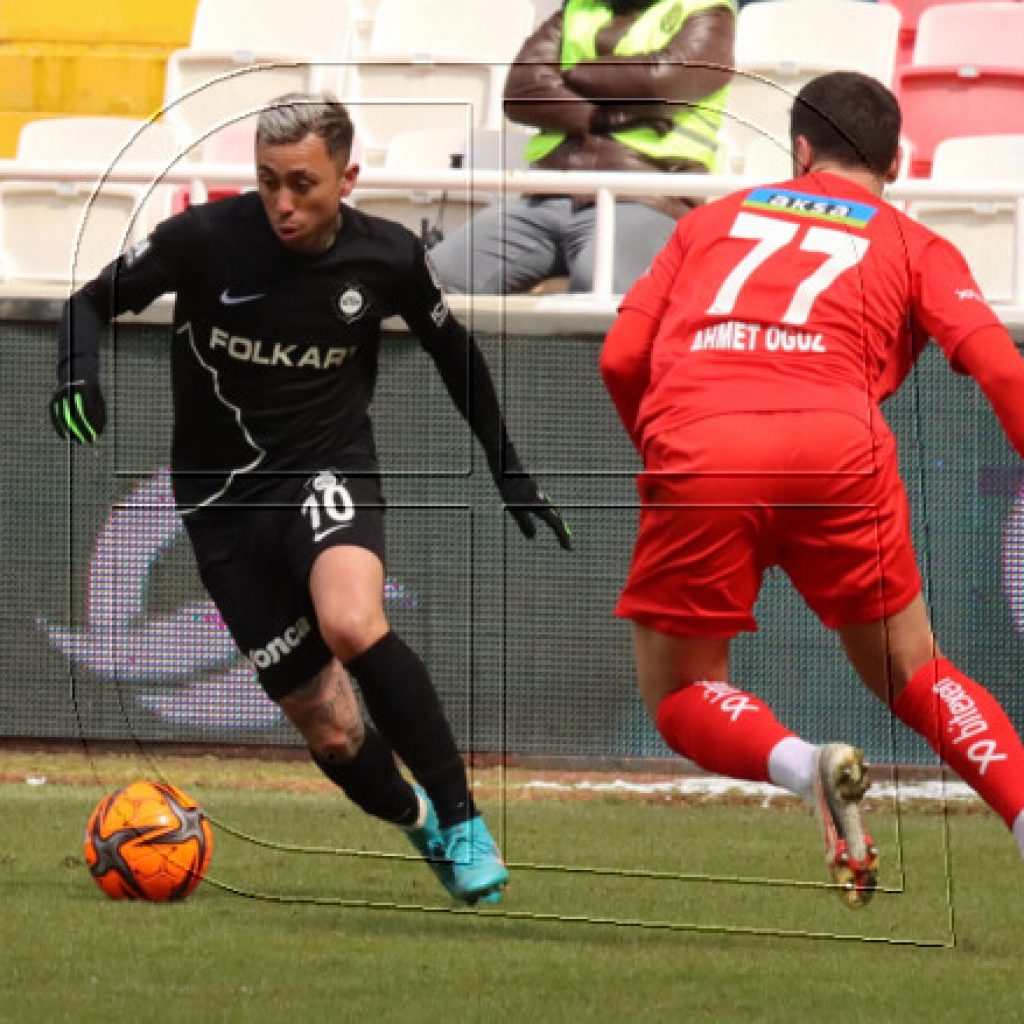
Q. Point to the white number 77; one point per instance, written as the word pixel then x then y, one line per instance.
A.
pixel 772 234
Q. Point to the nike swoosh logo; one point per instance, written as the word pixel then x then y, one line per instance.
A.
pixel 317 537
pixel 234 300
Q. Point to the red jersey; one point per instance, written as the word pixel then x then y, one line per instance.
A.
pixel 809 294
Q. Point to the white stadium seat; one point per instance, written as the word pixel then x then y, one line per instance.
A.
pixel 782 45
pixel 438 64
pixel 430 149
pixel 453 28
pixel 786 36
pixel 768 159
pixel 424 149
pixel 362 15
pixel 61 231
pixel 301 26
pixel 245 52
pixel 543 9
pixel 983 231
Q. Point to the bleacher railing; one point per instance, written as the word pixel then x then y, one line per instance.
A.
pixel 603 185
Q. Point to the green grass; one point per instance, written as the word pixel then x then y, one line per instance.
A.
pixel 722 916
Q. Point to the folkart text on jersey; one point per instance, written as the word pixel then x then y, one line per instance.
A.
pixel 277 353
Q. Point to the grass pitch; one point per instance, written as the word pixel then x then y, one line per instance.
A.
pixel 619 909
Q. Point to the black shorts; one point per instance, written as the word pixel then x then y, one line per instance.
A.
pixel 255 560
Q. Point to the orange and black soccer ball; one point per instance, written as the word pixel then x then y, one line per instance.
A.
pixel 148 841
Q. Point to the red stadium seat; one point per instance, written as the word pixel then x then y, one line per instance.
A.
pixel 942 102
pixel 910 13
pixel 983 34
pixel 231 144
pixel 183 197
pixel 966 77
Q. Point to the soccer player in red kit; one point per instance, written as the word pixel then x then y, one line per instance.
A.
pixel 748 365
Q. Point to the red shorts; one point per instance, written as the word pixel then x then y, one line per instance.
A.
pixel 816 493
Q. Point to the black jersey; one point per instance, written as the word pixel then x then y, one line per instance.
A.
pixel 275 353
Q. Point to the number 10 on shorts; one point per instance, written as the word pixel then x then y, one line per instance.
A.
pixel 329 507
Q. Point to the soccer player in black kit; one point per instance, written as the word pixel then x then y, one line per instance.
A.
pixel 279 299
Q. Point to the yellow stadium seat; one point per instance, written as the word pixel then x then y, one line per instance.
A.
pixel 61 57
pixel 81 79
pixel 166 24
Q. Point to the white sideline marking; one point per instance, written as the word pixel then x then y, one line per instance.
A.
pixel 714 786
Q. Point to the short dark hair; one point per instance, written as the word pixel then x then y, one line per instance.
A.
pixel 848 117
pixel 291 117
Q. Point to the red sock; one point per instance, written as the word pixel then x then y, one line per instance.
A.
pixel 720 728
pixel 967 728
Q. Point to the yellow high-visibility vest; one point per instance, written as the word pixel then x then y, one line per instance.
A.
pixel 694 128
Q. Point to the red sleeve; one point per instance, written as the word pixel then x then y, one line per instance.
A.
pixel 626 355
pixel 626 365
pixel 948 303
pixel 991 358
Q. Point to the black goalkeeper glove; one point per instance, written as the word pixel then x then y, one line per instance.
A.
pixel 78 411
pixel 524 499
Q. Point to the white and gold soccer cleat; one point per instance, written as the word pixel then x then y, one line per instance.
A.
pixel 840 782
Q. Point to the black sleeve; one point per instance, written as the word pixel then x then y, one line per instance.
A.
pixel 131 282
pixel 423 306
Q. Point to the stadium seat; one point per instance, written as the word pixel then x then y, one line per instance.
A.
pixel 427 212
pixel 440 63
pixel 910 13
pixel 112 22
pixel 982 34
pixel 94 138
pixel 543 9
pixel 65 57
pixel 943 102
pixel 424 211
pixel 362 15
pixel 231 144
pixel 452 28
pixel 243 53
pixel 768 159
pixel 780 46
pixel 81 79
pixel 116 141
pixel 966 77
pixel 63 232
pixel 983 231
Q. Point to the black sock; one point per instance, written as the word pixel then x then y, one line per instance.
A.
pixel 403 704
pixel 372 781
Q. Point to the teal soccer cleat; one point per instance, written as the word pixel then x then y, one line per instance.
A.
pixel 479 873
pixel 464 857
pixel 426 836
